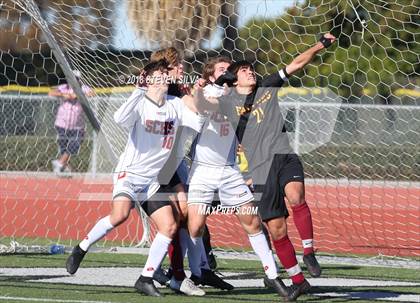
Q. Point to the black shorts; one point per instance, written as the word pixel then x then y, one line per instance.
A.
pixel 284 169
pixel 69 140
pixel 150 207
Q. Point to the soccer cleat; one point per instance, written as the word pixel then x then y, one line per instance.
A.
pixel 278 285
pixel 186 286
pixel 312 265
pixel 74 260
pixel 145 286
pixel 161 277
pixel 169 273
pixel 295 290
pixel 209 277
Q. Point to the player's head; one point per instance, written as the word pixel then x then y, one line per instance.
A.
pixel 245 73
pixel 215 67
pixel 174 59
pixel 156 74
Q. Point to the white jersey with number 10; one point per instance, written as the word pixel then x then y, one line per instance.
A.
pixel 152 131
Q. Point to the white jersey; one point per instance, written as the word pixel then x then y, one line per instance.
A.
pixel 152 133
pixel 216 144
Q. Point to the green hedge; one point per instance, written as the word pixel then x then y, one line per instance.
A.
pixel 30 153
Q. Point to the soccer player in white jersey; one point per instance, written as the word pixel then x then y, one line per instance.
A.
pixel 173 178
pixel 152 119
pixel 214 169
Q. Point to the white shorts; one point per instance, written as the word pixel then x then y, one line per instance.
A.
pixel 227 180
pixel 131 186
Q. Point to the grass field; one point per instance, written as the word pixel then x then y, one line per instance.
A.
pixel 25 286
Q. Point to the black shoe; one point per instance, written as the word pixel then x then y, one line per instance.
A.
pixel 278 285
pixel 211 259
pixel 169 273
pixel 312 265
pixel 195 279
pixel 295 290
pixel 145 286
pixel 74 260
pixel 209 277
pixel 161 277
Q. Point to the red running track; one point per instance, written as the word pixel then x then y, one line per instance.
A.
pixel 352 219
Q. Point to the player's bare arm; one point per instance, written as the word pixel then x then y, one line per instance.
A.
pixel 307 56
pixel 54 93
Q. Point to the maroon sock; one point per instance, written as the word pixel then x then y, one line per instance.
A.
pixel 303 222
pixel 287 256
pixel 176 258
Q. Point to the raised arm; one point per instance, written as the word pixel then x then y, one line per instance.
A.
pixel 55 93
pixel 278 78
pixel 60 91
pixel 200 102
pixel 307 56
pixel 127 114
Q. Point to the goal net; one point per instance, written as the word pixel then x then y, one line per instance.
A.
pixel 352 114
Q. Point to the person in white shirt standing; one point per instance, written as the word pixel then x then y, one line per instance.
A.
pixel 152 119
pixel 214 169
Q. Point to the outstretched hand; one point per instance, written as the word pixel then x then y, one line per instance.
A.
pixel 327 39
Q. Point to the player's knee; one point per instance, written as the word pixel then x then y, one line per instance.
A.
pixel 296 198
pixel 195 230
pixel 169 229
pixel 119 217
pixel 278 230
pixel 252 225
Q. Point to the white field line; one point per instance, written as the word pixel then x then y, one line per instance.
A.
pixel 126 276
pixel 32 299
pixel 378 261
pixel 383 296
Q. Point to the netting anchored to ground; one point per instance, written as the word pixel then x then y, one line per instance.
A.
pixel 362 176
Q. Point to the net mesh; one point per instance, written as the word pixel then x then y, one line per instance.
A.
pixel 353 113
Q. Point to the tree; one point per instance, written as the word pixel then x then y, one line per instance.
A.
pixel 182 23
pixel 75 23
pixel 377 59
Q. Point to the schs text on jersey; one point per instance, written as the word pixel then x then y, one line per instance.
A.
pixel 160 127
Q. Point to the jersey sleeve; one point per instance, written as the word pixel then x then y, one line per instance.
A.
pixel 190 118
pixel 127 114
pixel 275 80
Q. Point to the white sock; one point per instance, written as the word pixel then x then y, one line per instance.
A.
pixel 101 228
pixel 194 256
pixel 157 252
pixel 261 248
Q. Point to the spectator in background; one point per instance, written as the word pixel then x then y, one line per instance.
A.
pixel 69 123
